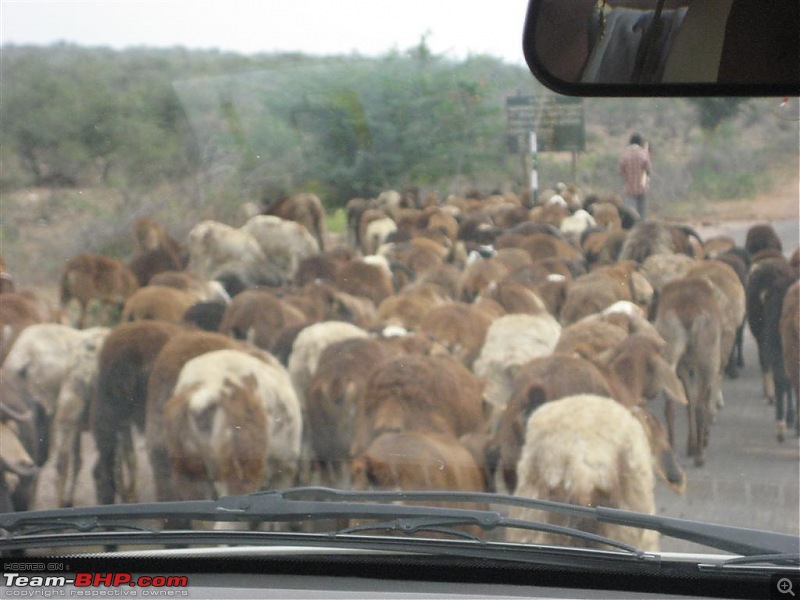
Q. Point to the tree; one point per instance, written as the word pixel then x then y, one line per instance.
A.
pixel 713 111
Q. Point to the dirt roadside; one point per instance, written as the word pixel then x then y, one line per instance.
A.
pixel 782 203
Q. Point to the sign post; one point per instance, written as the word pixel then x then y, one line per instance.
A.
pixel 550 124
pixel 534 171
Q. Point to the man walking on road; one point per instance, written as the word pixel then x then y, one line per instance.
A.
pixel 634 168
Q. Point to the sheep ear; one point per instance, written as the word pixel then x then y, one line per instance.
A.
pixel 670 382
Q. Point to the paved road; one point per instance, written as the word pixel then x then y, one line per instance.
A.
pixel 749 480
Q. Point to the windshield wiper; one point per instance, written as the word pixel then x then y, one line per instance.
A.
pixel 738 540
pixel 314 503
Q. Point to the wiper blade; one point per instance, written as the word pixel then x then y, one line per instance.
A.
pixel 738 540
pixel 315 503
pixel 284 506
pixel 756 559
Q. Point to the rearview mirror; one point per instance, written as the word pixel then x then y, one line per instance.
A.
pixel 665 47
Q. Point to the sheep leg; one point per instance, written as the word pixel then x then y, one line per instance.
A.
pixel 669 417
pixel 104 468
pixel 125 467
pixel 692 441
pixel 732 367
pixel 769 385
pixel 784 407
pixel 83 315
pixel 706 395
pixel 67 468
pixel 739 345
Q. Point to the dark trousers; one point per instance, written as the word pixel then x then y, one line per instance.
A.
pixel 638 204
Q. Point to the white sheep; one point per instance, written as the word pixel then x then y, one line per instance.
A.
pixel 577 222
pixel 308 346
pixel 55 367
pixel 212 245
pixel 284 243
pixel 586 450
pixel 511 341
pixel 376 234
pixel 239 418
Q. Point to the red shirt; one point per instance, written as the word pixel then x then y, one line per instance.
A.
pixel 633 164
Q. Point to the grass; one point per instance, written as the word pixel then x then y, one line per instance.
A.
pixel 337 220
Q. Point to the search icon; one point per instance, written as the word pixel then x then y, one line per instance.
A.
pixel 785 586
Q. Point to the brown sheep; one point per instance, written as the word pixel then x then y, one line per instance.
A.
pixel 158 260
pixel 157 303
pixel 433 394
pixel 606 216
pixel 646 239
pixel 149 234
pixel 477 276
pixel 90 277
pixel 419 461
pixel 306 209
pixel 17 311
pixel 408 310
pixel 17 469
pixel 590 294
pixel 259 316
pixel 790 343
pixel 542 245
pixel 766 287
pixel 515 298
pixel 332 397
pixel 124 365
pixel 718 244
pixel 689 320
pixel 360 278
pixel 762 236
pixel 730 295
pixel 459 327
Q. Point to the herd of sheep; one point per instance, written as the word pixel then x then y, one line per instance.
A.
pixel 479 343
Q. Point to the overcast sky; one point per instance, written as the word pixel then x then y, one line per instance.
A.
pixel 455 28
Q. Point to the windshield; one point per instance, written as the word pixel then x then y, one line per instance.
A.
pixel 260 246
